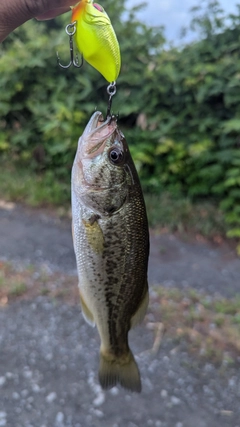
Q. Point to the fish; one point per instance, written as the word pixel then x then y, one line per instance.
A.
pixel 111 244
pixel 95 38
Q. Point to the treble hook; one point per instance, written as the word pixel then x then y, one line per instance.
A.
pixel 111 90
pixel 71 30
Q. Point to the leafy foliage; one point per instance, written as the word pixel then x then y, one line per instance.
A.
pixel 43 108
pixel 179 107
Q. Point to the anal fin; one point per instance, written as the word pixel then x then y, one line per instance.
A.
pixel 141 311
pixel 87 314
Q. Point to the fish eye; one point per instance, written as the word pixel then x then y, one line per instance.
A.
pixel 116 155
pixel 98 7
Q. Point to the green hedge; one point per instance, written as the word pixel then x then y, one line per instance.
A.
pixel 179 107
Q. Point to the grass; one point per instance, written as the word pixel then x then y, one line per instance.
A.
pixel 30 282
pixel 164 211
pixel 18 289
pixel 182 215
pixel 211 327
pixel 35 190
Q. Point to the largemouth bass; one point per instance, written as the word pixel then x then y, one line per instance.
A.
pixel 96 39
pixel 111 243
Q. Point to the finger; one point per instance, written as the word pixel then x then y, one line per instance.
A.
pixel 52 13
pixel 14 13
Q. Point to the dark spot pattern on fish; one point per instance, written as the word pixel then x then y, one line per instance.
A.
pixel 112 256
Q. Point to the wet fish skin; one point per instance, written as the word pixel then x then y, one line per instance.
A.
pixel 111 242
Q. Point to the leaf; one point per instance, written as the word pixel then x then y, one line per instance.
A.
pixel 232 125
pixel 234 232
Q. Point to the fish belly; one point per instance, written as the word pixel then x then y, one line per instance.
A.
pixel 112 275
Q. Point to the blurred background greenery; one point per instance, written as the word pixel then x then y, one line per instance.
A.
pixel 179 109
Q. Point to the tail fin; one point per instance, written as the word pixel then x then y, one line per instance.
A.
pixel 119 370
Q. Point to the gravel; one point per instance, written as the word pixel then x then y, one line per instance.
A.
pixel 49 355
pixel 37 392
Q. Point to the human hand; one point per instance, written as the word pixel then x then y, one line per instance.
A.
pixel 14 13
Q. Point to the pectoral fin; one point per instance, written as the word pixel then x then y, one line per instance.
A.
pixel 87 314
pixel 94 234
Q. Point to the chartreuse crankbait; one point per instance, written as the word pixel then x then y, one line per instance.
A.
pixel 95 39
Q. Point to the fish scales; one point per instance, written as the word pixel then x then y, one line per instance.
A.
pixel 111 243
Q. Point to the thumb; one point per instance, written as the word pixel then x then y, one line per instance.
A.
pixel 14 13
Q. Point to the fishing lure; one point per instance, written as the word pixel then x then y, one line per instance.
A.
pixel 95 38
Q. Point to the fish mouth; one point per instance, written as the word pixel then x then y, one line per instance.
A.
pixel 96 133
pixel 95 121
